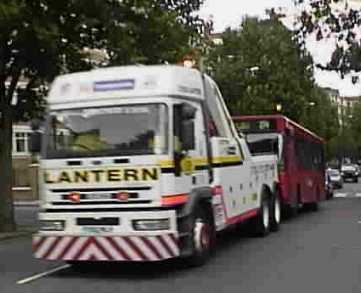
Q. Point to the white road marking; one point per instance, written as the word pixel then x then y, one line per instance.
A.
pixel 44 274
pixel 339 194
pixel 358 194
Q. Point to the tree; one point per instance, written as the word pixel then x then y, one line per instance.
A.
pixel 320 115
pixel 261 65
pixel 41 38
pixel 337 20
pixel 355 127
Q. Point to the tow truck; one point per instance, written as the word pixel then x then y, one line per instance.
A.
pixel 143 163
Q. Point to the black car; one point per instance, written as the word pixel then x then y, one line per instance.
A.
pixel 349 172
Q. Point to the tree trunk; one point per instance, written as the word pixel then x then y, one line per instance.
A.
pixel 7 221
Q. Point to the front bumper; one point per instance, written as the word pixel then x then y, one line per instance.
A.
pixel 107 243
pixel 106 248
pixel 347 175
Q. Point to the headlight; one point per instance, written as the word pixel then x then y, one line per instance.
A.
pixel 151 224
pixel 52 225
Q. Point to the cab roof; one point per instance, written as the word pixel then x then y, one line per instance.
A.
pixel 126 82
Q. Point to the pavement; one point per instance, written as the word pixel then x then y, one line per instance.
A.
pixel 314 252
pixel 26 220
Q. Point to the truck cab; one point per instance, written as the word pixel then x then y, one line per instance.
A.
pixel 143 163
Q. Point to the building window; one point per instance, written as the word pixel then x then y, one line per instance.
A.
pixel 21 143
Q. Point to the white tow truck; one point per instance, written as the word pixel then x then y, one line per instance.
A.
pixel 143 163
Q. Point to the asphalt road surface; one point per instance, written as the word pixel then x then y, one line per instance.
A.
pixel 26 215
pixel 315 252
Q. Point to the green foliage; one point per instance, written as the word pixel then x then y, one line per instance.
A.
pixel 320 115
pixel 262 65
pixel 326 20
pixel 355 124
pixel 41 38
pixel 259 66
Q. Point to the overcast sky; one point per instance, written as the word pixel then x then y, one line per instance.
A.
pixel 230 12
pixel 227 13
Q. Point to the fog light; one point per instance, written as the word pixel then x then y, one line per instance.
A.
pixel 52 225
pixel 151 224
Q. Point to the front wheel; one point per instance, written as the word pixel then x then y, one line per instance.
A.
pixel 203 237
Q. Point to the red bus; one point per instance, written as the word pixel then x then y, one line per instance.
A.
pixel 300 153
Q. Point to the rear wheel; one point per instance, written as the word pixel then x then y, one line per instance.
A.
pixel 263 220
pixel 275 213
pixel 203 237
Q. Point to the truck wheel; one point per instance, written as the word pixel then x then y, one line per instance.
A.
pixel 263 219
pixel 275 213
pixel 203 237
pixel 355 180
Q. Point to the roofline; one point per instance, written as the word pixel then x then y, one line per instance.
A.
pixel 281 117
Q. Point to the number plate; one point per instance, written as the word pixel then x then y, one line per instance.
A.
pixel 98 196
pixel 97 230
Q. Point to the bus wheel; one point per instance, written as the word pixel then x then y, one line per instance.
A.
pixel 275 213
pixel 263 219
pixel 203 237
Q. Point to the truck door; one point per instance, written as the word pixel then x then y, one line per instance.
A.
pixel 192 168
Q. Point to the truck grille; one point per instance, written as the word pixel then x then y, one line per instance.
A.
pixel 100 196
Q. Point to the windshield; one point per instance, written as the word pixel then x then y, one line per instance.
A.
pixel 121 130
pixel 334 173
pixel 269 143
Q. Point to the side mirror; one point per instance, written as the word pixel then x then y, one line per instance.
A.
pixel 35 142
pixel 188 135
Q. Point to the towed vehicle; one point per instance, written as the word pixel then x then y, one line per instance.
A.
pixel 300 154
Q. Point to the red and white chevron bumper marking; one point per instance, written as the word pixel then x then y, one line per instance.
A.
pixel 106 248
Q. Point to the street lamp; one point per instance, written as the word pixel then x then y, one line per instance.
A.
pixel 278 107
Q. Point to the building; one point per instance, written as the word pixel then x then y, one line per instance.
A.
pixel 25 171
pixel 344 103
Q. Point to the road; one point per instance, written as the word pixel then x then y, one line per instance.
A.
pixel 315 252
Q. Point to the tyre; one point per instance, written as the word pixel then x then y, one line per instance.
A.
pixel 262 222
pixel 203 235
pixel 275 213
pixel 355 180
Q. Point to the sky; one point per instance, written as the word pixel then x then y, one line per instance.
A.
pixel 229 13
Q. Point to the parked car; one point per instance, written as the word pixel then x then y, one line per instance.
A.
pixel 358 171
pixel 335 178
pixel 349 172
